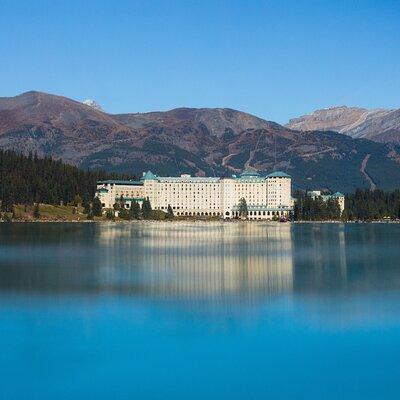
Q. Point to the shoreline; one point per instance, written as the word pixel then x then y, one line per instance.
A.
pixel 178 221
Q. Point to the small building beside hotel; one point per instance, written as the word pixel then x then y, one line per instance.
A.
pixel 325 197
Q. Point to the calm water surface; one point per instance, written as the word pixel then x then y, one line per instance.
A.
pixel 199 311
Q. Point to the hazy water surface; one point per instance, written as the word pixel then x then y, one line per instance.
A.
pixel 199 310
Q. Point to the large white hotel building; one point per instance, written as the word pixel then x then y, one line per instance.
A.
pixel 267 197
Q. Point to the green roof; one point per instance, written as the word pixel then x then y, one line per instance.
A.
pixel 325 197
pixel 192 179
pixel 338 194
pixel 249 174
pixel 148 176
pixel 278 174
pixel 103 190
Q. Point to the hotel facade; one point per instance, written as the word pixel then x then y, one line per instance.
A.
pixel 267 197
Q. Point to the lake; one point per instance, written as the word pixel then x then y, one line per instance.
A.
pixel 199 311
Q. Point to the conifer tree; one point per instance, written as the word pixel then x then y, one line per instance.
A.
pixel 124 214
pixel 243 209
pixel 146 209
pixel 170 212
pixel 36 211
pixel 97 207
pixel 86 207
pixel 110 214
pixel 135 210
pixel 77 200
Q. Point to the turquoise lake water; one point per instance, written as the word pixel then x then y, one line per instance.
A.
pixel 199 311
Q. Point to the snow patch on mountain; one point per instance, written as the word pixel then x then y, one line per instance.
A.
pixel 93 104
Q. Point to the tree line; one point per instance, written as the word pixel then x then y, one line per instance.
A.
pixel 135 211
pixel 372 205
pixel 363 205
pixel 307 208
pixel 28 179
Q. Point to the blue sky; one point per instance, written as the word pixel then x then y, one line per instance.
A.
pixel 275 59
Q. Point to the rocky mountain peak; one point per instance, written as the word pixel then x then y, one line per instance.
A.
pixel 380 125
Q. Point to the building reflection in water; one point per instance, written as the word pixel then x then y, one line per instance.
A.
pixel 198 260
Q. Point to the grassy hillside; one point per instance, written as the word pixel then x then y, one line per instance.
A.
pixel 48 212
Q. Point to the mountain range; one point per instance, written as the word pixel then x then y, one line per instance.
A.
pixel 379 125
pixel 205 141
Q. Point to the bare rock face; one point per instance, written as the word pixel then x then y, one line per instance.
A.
pixel 335 119
pixel 213 142
pixel 380 125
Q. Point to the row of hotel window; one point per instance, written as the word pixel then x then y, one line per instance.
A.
pixel 234 213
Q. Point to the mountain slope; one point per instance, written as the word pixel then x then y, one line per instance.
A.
pixel 56 126
pixel 217 122
pixel 197 141
pixel 379 125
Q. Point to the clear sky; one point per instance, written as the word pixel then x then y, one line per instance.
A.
pixel 276 59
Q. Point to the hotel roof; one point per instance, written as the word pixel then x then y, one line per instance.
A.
pixel 317 193
pixel 249 174
pixel 252 176
pixel 148 176
pixel 120 182
pixel 278 174
pixel 338 194
pixel 189 179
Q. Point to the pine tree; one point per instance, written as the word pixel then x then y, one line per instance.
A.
pixel 121 203
pixel 124 214
pixel 77 200
pixel 146 209
pixel 170 212
pixel 243 209
pixel 86 207
pixel 36 211
pixel 97 207
pixel 135 210
pixel 298 207
pixel 110 214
